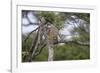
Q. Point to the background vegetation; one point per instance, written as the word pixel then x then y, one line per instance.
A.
pixel 65 51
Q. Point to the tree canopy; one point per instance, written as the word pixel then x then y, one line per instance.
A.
pixel 36 45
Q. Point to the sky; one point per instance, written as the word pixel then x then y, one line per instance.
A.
pixel 65 30
pixel 25 22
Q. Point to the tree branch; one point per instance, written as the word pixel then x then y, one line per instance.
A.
pixel 30 24
pixel 30 34
pixel 37 53
pixel 75 42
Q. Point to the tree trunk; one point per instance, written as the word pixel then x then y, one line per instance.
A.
pixel 50 53
pixel 49 45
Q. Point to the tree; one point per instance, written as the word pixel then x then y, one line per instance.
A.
pixel 47 32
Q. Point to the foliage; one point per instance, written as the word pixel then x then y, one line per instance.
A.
pixel 54 18
pixel 61 52
pixel 69 51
